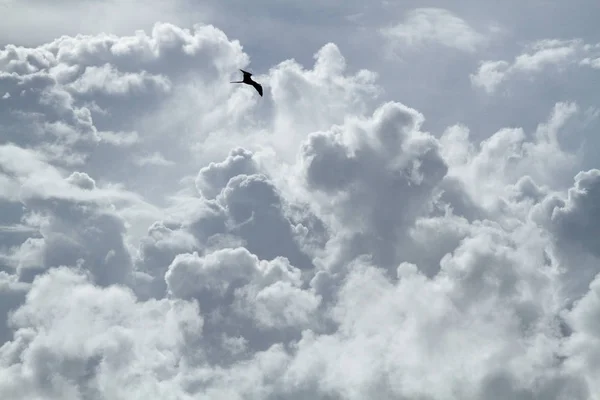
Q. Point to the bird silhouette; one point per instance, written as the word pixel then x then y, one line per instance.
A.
pixel 248 81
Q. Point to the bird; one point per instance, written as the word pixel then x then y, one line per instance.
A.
pixel 248 81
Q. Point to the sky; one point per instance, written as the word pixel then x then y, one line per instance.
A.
pixel 409 212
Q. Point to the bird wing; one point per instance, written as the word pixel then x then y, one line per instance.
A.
pixel 258 87
pixel 246 72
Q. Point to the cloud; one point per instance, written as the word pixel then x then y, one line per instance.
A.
pixel 367 167
pixel 538 56
pixel 424 26
pixel 270 293
pixel 511 154
pixel 112 338
pixel 90 86
pixel 212 178
pixel 165 234
pixel 592 62
pixel 154 159
pixel 573 218
pixel 580 348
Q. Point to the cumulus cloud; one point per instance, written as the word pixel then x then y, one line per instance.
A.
pixel 116 345
pixel 511 154
pixel 359 174
pixel 270 293
pixel 167 235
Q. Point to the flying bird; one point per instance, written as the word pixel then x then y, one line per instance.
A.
pixel 248 81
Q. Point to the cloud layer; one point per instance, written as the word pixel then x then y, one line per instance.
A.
pixel 167 235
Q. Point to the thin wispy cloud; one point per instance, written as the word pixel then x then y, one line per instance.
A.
pixel 543 54
pixel 423 27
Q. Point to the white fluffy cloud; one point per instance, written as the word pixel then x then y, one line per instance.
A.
pixel 164 234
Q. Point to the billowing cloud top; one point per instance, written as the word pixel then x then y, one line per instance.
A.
pixel 165 234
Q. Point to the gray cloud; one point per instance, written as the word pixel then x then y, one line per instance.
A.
pixel 377 176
